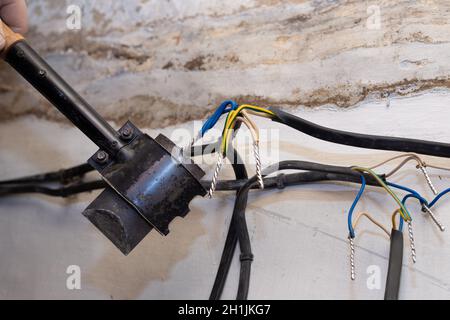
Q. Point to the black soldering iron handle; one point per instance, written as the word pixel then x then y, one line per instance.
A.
pixel 53 87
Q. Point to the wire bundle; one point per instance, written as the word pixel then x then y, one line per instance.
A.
pixel 236 115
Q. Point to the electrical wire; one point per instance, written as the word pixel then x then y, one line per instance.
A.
pixel 239 213
pixel 237 119
pixel 215 176
pixel 395 266
pixel 282 180
pixel 361 140
pixel 231 119
pixel 255 136
pixel 371 219
pixel 62 176
pixel 422 201
pixel 439 196
pixel 409 190
pixel 212 120
pixel 404 212
pixel 328 173
pixel 394 216
pixel 231 241
pixel 409 157
pixel 406 197
pixel 38 183
pixel 239 210
pixel 237 232
pixel 64 191
pixel 353 206
pixel 250 124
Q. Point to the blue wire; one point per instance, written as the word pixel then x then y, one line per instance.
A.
pixel 222 109
pixel 422 201
pixel 411 195
pixel 432 203
pixel 217 114
pixel 411 191
pixel 352 208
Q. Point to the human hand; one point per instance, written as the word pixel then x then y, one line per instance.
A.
pixel 14 14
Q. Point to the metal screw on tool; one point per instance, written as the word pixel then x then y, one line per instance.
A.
pixel 42 73
pixel 126 133
pixel 101 157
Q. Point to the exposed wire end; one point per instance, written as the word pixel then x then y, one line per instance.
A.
pixel 215 176
pixel 186 151
pixel 435 219
pixel 258 165
pixel 352 258
pixel 427 177
pixel 411 242
pixel 195 139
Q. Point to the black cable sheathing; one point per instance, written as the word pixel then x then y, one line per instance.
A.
pixel 281 180
pixel 244 239
pixel 395 266
pixel 62 176
pixel 431 148
pixel 239 212
pixel 291 179
pixel 238 230
pixel 232 236
pixel 246 257
pixel 64 191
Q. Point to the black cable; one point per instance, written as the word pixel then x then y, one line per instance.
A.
pixel 238 222
pixel 395 266
pixel 246 256
pixel 362 140
pixel 64 191
pixel 237 230
pixel 232 237
pixel 282 180
pixel 241 204
pixel 62 176
pixel 238 227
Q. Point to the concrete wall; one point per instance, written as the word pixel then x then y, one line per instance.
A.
pixel 162 62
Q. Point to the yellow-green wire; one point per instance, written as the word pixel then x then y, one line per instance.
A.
pixel 403 211
pixel 394 216
pixel 231 118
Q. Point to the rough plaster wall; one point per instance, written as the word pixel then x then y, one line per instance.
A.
pixel 160 62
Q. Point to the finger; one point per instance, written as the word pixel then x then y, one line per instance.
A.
pixel 14 14
pixel 2 39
